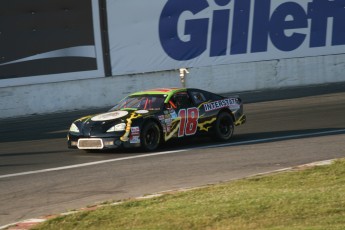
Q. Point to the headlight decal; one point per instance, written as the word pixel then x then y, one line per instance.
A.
pixel 118 127
pixel 74 128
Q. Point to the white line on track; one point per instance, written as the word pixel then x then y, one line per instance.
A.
pixel 339 131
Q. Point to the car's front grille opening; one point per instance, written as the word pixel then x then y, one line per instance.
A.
pixel 90 143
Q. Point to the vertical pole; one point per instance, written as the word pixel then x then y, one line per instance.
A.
pixel 105 37
pixel 183 72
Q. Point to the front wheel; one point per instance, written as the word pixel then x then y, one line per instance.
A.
pixel 224 127
pixel 150 136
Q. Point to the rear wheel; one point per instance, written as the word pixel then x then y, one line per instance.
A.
pixel 150 136
pixel 224 127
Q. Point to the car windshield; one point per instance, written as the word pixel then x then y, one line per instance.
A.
pixel 139 102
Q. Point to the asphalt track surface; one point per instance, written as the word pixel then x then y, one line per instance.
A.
pixel 285 128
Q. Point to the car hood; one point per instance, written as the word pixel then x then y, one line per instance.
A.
pixel 100 123
pixel 120 115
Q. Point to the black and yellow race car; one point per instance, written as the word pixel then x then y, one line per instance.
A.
pixel 149 118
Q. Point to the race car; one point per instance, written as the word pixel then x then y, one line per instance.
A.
pixel 149 118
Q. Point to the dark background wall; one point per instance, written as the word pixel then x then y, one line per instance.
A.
pixel 47 29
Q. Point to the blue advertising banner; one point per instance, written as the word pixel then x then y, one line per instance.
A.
pixel 169 34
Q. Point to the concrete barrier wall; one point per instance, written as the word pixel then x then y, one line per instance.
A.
pixel 100 92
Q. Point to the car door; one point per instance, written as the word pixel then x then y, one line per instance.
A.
pixel 187 113
pixel 206 118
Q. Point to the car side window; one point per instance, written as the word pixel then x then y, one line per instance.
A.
pixel 198 97
pixel 182 100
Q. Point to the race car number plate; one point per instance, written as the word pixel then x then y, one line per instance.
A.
pixel 90 143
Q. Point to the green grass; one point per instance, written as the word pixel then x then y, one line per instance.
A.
pixel 309 199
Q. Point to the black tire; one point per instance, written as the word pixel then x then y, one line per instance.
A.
pixel 150 136
pixel 224 127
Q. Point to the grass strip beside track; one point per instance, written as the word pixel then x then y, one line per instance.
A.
pixel 312 198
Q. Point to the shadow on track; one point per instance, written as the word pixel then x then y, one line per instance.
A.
pixel 27 153
pixel 237 140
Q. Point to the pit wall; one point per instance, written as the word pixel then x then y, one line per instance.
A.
pixel 105 92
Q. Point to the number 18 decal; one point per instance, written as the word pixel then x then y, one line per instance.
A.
pixel 189 121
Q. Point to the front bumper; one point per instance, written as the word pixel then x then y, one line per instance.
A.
pixel 96 143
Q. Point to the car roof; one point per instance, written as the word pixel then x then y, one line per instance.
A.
pixel 160 91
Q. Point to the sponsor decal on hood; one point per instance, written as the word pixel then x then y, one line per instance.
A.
pixel 109 116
